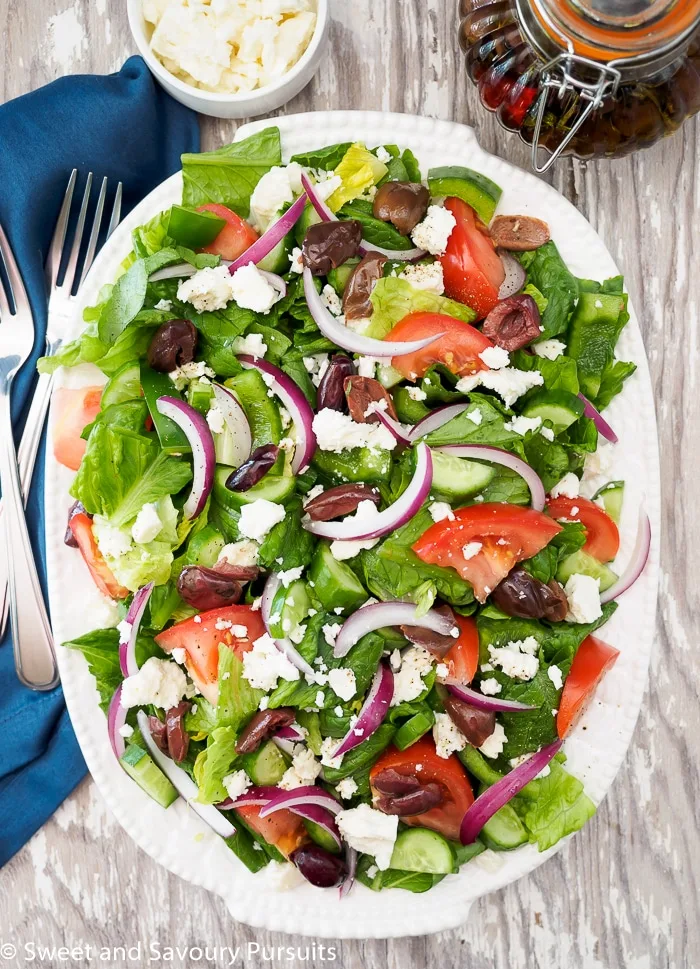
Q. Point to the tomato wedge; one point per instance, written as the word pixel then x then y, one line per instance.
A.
pixel 471 267
pixel 602 534
pixel 73 410
pixel 102 575
pixel 235 237
pixel 458 349
pixel 592 660
pixel 200 638
pixel 449 773
pixel 500 535
pixel 283 829
pixel 463 658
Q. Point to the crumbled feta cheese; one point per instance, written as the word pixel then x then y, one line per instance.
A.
pixel 517 659
pixel 338 432
pixel 508 383
pixel 346 788
pixel 215 419
pixel 471 549
pixel 304 770
pixel 124 629
pixel 290 575
pixel 264 703
pixel 493 745
pixel 342 682
pixel 252 344
pixel 270 195
pixel 395 660
pixel 329 745
pixel 238 631
pixel 330 632
pixel 547 433
pixel 208 289
pixel 442 671
pixel 297 265
pixel 164 304
pixel 366 512
pixel 331 300
pixel 316 366
pixel 179 655
pixel 555 675
pixel 416 662
pixel 550 349
pixel 475 416
pixel 568 486
pixel 427 276
pixel 236 784
pixel 447 736
pixel 126 730
pixel 181 376
pixel 415 393
pixel 239 553
pixel 159 682
pixel 433 233
pixel 439 510
pixel 521 425
pixel 495 358
pixel 264 664
pixel 583 596
pixel 367 366
pixel 252 290
pixel 112 542
pixel 370 832
pixel 328 184
pixel 382 154
pixel 490 686
pixel 258 517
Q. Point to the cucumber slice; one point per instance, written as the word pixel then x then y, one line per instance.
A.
pixel 125 384
pixel 388 376
pixel 150 778
pixel 321 836
pixel 473 188
pixel 558 406
pixel 155 385
pixel 205 547
pixel 199 395
pixel 278 259
pixel 459 477
pixel 504 830
pixel 414 729
pixel 584 564
pixel 308 217
pixel 262 412
pixel 338 278
pixel 357 464
pixel 291 606
pixel 266 765
pixel 612 495
pixel 422 850
pixel 273 487
pixel 335 585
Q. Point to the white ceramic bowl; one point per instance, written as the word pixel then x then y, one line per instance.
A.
pixel 250 103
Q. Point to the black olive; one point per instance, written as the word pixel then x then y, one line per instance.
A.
pixel 319 866
pixel 402 203
pixel 521 594
pixel 254 469
pixel 513 323
pixel 205 588
pixel 357 304
pixel 331 389
pixel 174 344
pixel 328 245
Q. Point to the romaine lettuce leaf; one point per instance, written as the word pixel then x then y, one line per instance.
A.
pixel 359 170
pixel 215 763
pixel 553 807
pixel 394 297
pixel 547 271
pixel 238 700
pixel 325 158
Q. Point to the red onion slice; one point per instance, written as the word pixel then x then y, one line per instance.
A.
pixel 237 423
pixel 515 275
pixel 253 797
pixel 116 718
pixel 291 732
pixel 301 796
pixel 484 452
pixel 348 339
pixel 405 507
pixel 183 783
pixel 283 645
pixel 196 430
pixel 351 861
pixel 637 563
pixel 373 711
pixel 320 816
pixel 274 235
pixel 180 271
pixel 476 699
pixel 435 420
pixel 380 614
pixel 401 432
pixel 502 791
pixel 605 429
pixel 296 403
pixel 322 210
pixel 127 647
pixel 275 281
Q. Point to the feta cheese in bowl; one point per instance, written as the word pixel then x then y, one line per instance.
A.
pixel 230 59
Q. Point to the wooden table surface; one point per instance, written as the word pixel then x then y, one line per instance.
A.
pixel 624 894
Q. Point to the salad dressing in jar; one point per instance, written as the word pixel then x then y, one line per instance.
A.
pixel 585 77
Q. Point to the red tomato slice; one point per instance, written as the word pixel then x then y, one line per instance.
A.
pixel 507 535
pixel 602 535
pixel 283 829
pixel 102 575
pixel 592 660
pixel 471 267
pixel 458 349
pixel 72 411
pixel 200 639
pixel 235 237
pixel 463 658
pixel 446 818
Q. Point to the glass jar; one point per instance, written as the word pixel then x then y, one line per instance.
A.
pixel 585 77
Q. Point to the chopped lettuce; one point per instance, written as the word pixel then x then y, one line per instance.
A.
pixel 215 763
pixel 553 806
pixel 548 272
pixel 238 700
pixel 393 298
pixel 359 170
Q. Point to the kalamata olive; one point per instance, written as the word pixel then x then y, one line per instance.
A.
pixel 402 203
pixel 159 732
pixel 174 344
pixel 357 304
pixel 77 508
pixel 390 781
pixel 178 738
pixel 339 501
pixel 261 727
pixel 435 643
pixel 513 323
pixel 242 573
pixel 361 393
pixel 331 391
pixel 254 469
pixel 522 595
pixel 475 724
pixel 415 802
pixel 328 245
pixel 319 866
pixel 207 588
pixel 519 233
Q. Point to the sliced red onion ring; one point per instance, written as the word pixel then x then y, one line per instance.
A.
pixel 127 647
pixel 401 432
pixel 237 423
pixel 183 783
pixel 405 507
pixel 116 718
pixel 374 709
pixel 483 452
pixel 180 271
pixel 296 403
pixel 638 560
pixel 287 738
pixel 320 816
pixel 502 791
pixel 348 339
pixel 301 797
pixel 197 432
pixel 476 699
pixel 435 420
pixel 515 275
pixel 605 429
pixel 253 797
pixel 283 645
pixel 322 210
pixel 381 614
pixel 351 862
pixel 277 231
pixel 275 281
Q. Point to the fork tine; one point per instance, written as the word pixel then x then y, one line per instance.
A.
pixel 53 261
pixel 71 266
pixel 17 290
pixel 116 211
pixel 96 222
pixel 4 304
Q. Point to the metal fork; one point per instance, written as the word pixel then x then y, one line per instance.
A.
pixel 61 309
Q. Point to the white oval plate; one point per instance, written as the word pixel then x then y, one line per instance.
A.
pixel 178 839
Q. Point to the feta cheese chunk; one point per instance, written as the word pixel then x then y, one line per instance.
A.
pixel 264 665
pixel 252 344
pixel 147 524
pixel 427 276
pixel 252 291
pixel 555 675
pixel 346 788
pixel 370 832
pixel 517 659
pixel 583 596
pixel 447 736
pixel 416 662
pixel 338 432
pixel 159 681
pixel 236 784
pixel 239 553
pixel 568 487
pixel 490 686
pixel 549 349
pixel 495 358
pixel 522 425
pixel 439 510
pixel 111 541
pixel 508 383
pixel 290 575
pixel 270 195
pixel 215 419
pixel 258 517
pixel 342 682
pixel 304 770
pixel 208 290
pixel 471 549
pixel 329 745
pixel 181 376
pixel 331 300
pixel 493 745
pixel 433 233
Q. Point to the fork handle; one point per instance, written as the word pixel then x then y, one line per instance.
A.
pixel 33 643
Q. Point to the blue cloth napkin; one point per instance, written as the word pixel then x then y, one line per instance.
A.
pixel 125 127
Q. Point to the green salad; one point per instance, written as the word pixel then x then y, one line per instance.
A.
pixel 345 493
